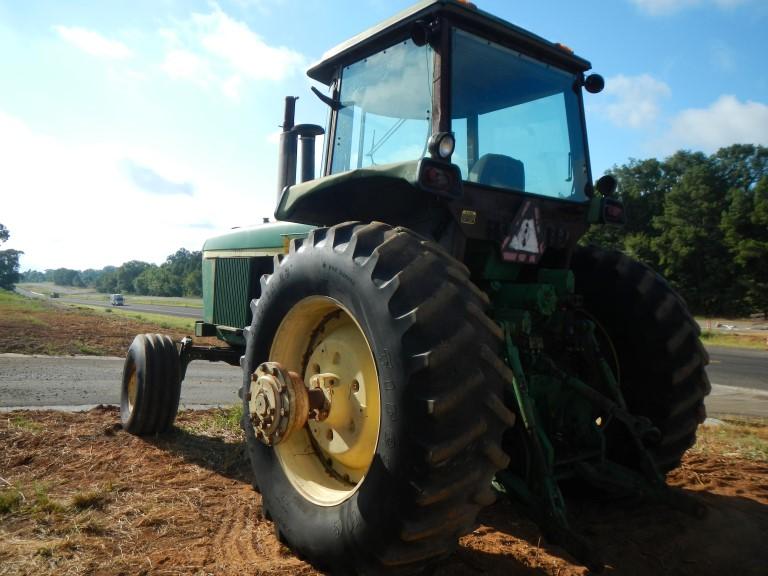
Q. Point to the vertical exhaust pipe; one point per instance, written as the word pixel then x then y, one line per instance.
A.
pixel 286 162
pixel 307 134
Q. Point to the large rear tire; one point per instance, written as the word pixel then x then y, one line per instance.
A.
pixel 149 396
pixel 661 361
pixel 393 482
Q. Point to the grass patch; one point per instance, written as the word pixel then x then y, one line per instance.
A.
pixel 12 302
pixel 91 499
pixel 179 302
pixel 23 423
pixel 736 340
pixel 43 502
pixel 87 349
pixel 10 500
pixel 162 320
pixel 228 420
pixel 224 421
pixel 44 552
pixel 735 437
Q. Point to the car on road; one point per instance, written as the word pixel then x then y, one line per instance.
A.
pixel 117 300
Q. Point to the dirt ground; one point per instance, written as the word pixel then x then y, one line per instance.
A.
pixel 80 496
pixel 42 328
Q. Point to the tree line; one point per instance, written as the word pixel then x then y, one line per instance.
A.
pixel 702 222
pixel 179 275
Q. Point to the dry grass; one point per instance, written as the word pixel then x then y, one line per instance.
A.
pixel 80 496
pixel 735 437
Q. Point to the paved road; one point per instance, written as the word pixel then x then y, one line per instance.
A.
pixel 738 367
pixel 739 382
pixel 84 381
pixel 181 311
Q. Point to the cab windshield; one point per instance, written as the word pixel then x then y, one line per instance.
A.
pixel 386 113
pixel 517 121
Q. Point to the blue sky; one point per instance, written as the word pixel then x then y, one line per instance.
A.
pixel 131 129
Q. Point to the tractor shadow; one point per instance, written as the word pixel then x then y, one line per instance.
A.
pixel 224 456
pixel 633 540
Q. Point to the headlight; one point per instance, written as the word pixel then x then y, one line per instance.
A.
pixel 441 145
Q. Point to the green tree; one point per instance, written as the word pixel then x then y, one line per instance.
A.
pixel 9 262
pixel 745 226
pixel 32 276
pixel 193 283
pixel 90 276
pixel 67 277
pixel 107 282
pixel 127 273
pixel 689 246
pixel 742 166
pixel 158 281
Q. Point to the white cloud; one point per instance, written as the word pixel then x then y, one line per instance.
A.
pixel 216 47
pixel 74 205
pixel 661 7
pixel 632 101
pixel 727 121
pixel 231 88
pixel 94 43
pixel 263 6
pixel 184 64
pixel 243 50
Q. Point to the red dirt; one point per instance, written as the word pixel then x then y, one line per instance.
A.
pixel 97 500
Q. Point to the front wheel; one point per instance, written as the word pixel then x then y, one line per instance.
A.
pixel 149 395
pixel 391 340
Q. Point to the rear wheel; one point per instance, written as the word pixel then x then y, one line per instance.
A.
pixel 396 335
pixel 151 387
pixel 661 362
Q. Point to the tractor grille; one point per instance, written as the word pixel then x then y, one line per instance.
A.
pixel 232 291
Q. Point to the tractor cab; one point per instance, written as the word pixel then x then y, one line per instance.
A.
pixel 448 108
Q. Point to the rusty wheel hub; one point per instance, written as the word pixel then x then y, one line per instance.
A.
pixel 278 403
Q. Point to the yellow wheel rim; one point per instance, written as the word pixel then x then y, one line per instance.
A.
pixel 327 461
pixel 133 386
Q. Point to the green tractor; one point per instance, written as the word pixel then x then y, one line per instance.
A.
pixel 420 331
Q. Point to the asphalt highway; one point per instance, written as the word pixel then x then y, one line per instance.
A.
pixel 738 367
pixel 181 311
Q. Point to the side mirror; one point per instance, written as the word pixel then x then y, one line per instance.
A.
pixel 606 186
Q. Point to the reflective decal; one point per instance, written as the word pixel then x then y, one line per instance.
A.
pixel 525 243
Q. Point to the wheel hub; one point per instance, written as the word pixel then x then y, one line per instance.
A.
pixel 278 403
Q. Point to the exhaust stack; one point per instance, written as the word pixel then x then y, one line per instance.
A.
pixel 307 134
pixel 286 163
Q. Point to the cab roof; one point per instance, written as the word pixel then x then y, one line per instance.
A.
pixel 461 14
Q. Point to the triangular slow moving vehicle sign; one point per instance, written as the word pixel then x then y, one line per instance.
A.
pixel 525 243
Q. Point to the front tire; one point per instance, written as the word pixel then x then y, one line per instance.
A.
pixel 404 462
pixel 149 395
